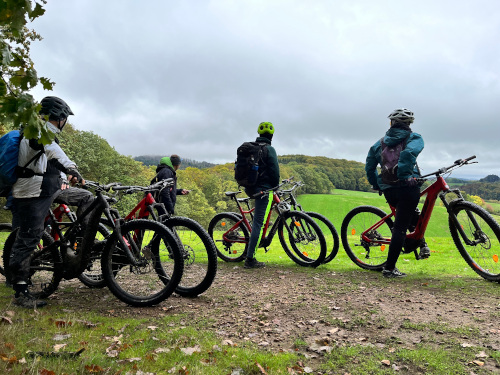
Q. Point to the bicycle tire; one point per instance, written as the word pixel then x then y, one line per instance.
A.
pixel 200 256
pixel 92 275
pixel 5 229
pixel 306 243
pixel 483 256
pixel 46 270
pixel 356 222
pixel 160 268
pixel 229 250
pixel 331 236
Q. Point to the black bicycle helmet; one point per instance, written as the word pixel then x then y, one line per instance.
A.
pixel 55 108
pixel 402 115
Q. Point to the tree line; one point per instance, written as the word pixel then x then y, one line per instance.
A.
pixel 100 162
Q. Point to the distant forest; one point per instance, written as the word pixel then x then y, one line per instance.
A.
pixel 149 160
pixel 486 188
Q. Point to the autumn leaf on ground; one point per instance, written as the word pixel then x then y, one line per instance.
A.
pixel 5 320
pixel 93 368
pixel 262 371
pixel 58 347
pixel 62 323
pixel 190 351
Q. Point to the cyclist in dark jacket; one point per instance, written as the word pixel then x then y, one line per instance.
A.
pixel 269 177
pixel 167 169
pixel 404 195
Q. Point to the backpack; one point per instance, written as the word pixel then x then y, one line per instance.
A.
pixel 9 153
pixel 248 160
pixel 390 159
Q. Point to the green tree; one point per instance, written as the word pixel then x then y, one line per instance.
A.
pixel 17 72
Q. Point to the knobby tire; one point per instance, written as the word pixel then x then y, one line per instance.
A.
pixel 302 239
pixel 160 266
pixel 230 250
pixel 483 255
pixel 330 233
pixel 46 270
pixel 370 256
pixel 199 253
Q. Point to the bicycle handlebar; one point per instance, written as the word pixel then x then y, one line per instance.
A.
pixel 457 164
pixel 156 186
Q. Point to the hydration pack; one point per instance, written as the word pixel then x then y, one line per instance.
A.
pixel 390 159
pixel 248 165
pixel 9 170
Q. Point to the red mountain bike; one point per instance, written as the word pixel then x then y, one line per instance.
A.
pixel 366 230
pixel 198 249
pixel 300 236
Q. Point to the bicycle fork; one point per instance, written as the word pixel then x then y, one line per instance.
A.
pixel 477 229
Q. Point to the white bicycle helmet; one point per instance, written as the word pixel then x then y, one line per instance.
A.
pixel 402 115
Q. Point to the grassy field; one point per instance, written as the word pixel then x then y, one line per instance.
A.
pixel 117 341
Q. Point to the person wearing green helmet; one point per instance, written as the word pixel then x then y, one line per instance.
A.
pixel 269 177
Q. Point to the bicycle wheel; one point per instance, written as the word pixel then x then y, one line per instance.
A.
pixel 159 263
pixel 92 275
pixel 481 245
pixel 231 245
pixel 45 265
pixel 5 230
pixel 367 255
pixel 200 256
pixel 302 239
pixel 330 233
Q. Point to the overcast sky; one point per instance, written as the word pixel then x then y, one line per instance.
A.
pixel 197 77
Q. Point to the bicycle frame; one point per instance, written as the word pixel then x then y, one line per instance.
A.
pixel 75 262
pixel 437 189
pixel 266 238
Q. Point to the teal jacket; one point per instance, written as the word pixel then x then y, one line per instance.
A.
pixel 407 165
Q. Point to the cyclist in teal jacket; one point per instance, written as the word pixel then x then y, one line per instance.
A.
pixel 269 177
pixel 405 194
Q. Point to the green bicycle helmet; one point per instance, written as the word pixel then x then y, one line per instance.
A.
pixel 265 127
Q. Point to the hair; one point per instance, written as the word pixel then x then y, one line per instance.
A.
pixel 175 159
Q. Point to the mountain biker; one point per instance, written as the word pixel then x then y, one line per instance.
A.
pixel 267 179
pixel 34 193
pixel 167 169
pixel 405 194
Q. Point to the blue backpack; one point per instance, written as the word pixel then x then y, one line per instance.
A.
pixel 9 153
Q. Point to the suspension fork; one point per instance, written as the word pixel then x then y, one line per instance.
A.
pixel 454 218
pixel 116 221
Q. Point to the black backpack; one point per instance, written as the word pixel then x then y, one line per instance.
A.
pixel 248 165
pixel 390 159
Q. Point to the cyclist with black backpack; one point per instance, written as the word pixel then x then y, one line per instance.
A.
pixel 267 177
pixel 397 154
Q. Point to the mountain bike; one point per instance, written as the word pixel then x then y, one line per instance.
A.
pixel 5 229
pixel 56 214
pixel 198 249
pixel 135 275
pixel 300 236
pixel 366 230
pixel 327 227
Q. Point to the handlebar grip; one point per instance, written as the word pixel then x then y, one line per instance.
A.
pixel 470 158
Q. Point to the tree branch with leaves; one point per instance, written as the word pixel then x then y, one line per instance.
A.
pixel 18 108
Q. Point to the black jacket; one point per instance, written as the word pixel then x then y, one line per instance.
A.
pixel 168 196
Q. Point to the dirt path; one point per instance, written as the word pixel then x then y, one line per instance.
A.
pixel 316 310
